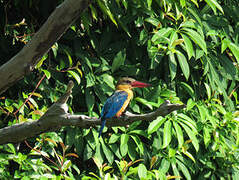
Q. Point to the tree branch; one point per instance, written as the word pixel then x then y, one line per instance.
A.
pixel 57 116
pixel 25 61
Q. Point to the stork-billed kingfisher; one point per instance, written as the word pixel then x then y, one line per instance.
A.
pixel 116 104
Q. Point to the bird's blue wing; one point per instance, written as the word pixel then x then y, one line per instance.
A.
pixel 113 104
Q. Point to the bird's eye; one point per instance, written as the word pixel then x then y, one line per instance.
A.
pixel 128 81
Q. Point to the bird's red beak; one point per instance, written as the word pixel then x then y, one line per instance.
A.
pixel 139 84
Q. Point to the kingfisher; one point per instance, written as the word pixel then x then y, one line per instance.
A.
pixel 116 104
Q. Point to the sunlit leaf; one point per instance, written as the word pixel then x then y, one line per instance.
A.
pixel 183 64
pixel 124 144
pixel 47 73
pixel 142 171
pixel 153 21
pixel 153 126
pixel 162 33
pixel 179 133
pixel 197 38
pixel 167 133
pixel 191 135
pixel 75 76
pixel 188 45
pixel 214 4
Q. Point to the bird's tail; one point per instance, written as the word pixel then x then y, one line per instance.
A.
pixel 103 121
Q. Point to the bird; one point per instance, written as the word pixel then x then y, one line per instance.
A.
pixel 116 104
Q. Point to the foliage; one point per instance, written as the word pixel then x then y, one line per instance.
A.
pixel 187 49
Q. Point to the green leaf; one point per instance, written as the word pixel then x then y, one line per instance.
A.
pixel 144 102
pixel 203 112
pixel 162 33
pixel 172 65
pixel 47 73
pixel 164 166
pixel 153 126
pixel 184 169
pixel 189 89
pixel 153 21
pixel 188 45
pixel 113 138
pixel 167 133
pixel 183 64
pixel 225 43
pixel 108 154
pixel 139 132
pixel 118 60
pixel 142 171
pixel 190 156
pixel 69 57
pixel 175 169
pixel 235 50
pixel 138 143
pixel 197 38
pixel 66 165
pixel 132 150
pixel 206 136
pixel 191 135
pixel 183 3
pixel 90 100
pixel 106 10
pixel 39 64
pixel 75 76
pixel 179 133
pixel 187 120
pixel 124 144
pixel 173 37
pixel 33 102
pixel 190 104
pixel 208 89
pixel 214 4
pixel 124 27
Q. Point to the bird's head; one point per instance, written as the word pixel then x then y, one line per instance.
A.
pixel 129 83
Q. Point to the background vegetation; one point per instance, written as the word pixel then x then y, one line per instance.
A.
pixel 188 50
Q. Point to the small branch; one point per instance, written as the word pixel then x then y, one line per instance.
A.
pixel 57 116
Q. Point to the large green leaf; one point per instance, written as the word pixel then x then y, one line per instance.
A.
pixel 167 133
pixel 184 169
pixel 191 135
pixel 214 4
pixel 142 171
pixel 153 126
pixel 179 134
pixel 197 38
pixel 75 76
pixel 108 154
pixel 172 65
pixel 162 33
pixel 124 144
pixel 138 143
pixel 183 64
pixel 188 45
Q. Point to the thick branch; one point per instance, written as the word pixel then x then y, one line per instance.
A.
pixel 25 61
pixel 57 116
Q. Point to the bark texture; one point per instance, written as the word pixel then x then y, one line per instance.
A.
pixel 57 116
pixel 55 26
